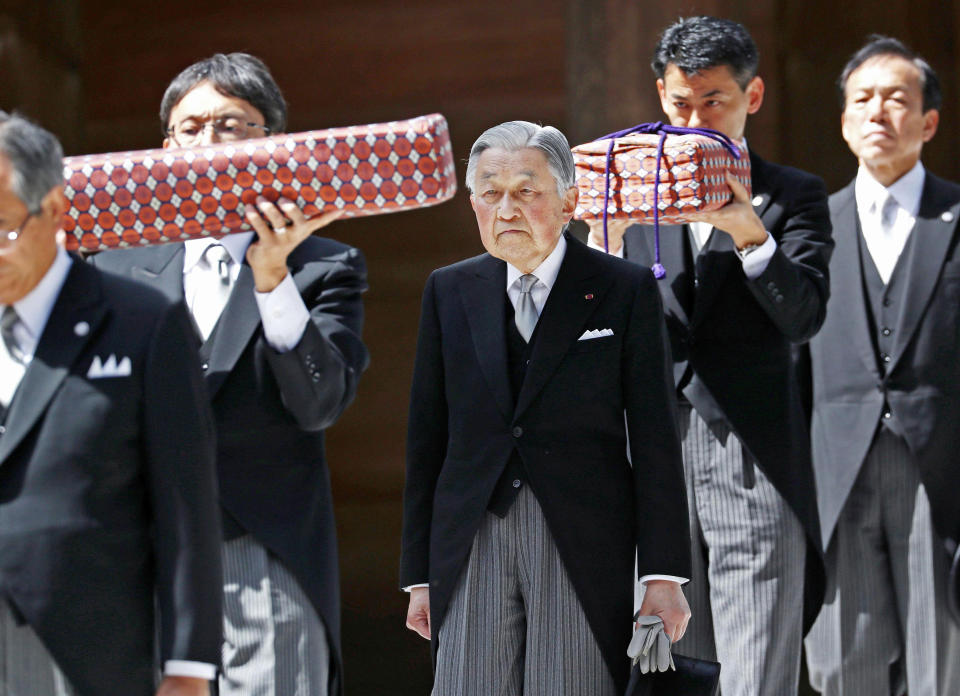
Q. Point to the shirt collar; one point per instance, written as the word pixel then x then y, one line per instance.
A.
pixel 907 190
pixel 235 244
pixel 547 271
pixel 35 307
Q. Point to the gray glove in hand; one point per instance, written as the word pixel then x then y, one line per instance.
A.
pixel 650 647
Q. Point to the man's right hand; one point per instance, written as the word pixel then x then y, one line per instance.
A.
pixel 418 613
pixel 615 230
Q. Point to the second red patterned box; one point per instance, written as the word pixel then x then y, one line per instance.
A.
pixel 692 177
pixel 130 199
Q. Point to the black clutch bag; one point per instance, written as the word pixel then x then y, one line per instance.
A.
pixel 692 677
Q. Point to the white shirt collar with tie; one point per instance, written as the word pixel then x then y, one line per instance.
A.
pixel 886 234
pixel 33 311
pixel 207 284
pixel 546 274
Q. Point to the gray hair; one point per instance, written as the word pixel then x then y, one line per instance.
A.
pixel 35 156
pixel 517 135
pixel 237 75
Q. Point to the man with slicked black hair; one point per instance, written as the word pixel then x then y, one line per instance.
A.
pixel 886 395
pixel 743 283
pixel 279 314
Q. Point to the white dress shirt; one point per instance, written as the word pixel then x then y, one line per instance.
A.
pixel 282 311
pixel 34 311
pixel 885 246
pixel 546 274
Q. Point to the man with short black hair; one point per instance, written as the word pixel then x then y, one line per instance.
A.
pixel 886 395
pixel 109 537
pixel 743 283
pixel 279 313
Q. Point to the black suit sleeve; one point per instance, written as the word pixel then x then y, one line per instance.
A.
pixel 318 378
pixel 662 525
pixel 426 443
pixel 180 455
pixel 794 287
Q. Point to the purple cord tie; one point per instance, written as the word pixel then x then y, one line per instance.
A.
pixel 663 129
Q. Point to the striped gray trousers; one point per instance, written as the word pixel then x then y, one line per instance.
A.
pixel 275 644
pixel 515 626
pixel 884 624
pixel 749 550
pixel 26 668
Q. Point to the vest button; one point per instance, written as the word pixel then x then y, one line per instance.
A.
pixel 887 302
pixel 517 483
pixel 885 357
pixel 3 429
pixel 886 331
pixel 887 415
pixel 517 431
pixel 205 366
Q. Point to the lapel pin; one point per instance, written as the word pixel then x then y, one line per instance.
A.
pixel 588 296
pixel 81 328
pixel 757 200
pixel 947 216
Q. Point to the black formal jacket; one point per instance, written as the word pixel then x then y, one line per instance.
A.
pixel 108 492
pixel 922 382
pixel 736 333
pixel 567 424
pixel 271 408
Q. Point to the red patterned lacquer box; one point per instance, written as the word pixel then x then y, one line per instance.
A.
pixel 130 199
pixel 692 177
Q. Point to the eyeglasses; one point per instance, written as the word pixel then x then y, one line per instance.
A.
pixel 9 237
pixel 189 133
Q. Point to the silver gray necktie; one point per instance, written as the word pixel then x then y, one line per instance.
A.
pixel 888 214
pixel 7 322
pixel 526 315
pixel 214 288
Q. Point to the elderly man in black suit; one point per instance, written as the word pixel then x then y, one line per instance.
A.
pixel 107 487
pixel 279 313
pixel 886 395
pixel 743 283
pixel 538 364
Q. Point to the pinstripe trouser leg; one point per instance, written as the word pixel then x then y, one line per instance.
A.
pixel 749 550
pixel 275 644
pixel 26 668
pixel 515 626
pixel 884 625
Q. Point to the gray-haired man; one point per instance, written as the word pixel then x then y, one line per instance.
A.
pixel 522 514
pixel 279 314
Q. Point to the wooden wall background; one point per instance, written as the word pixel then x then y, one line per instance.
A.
pixel 94 72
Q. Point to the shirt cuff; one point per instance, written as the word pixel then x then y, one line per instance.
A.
pixel 755 262
pixel 411 587
pixel 283 314
pixel 672 578
pixel 599 247
pixel 189 668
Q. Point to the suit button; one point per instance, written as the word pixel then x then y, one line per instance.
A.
pixel 517 431
pixel 887 415
pixel 887 302
pixel 771 285
pixel 205 366
pixel 2 429
pixel 779 298
pixel 885 357
pixel 517 483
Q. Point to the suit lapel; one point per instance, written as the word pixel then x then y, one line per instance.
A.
pixel 577 292
pixel 932 234
pixel 851 301
pixel 483 296
pixel 236 326
pixel 163 270
pixel 73 323
pixel 717 258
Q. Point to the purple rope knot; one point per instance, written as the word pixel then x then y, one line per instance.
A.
pixel 663 129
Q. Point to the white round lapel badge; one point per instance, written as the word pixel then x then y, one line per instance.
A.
pixel 757 200
pixel 81 328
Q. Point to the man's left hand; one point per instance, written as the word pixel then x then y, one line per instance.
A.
pixel 664 598
pixel 736 218
pixel 183 686
pixel 280 228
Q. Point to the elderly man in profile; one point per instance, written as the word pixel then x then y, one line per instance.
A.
pixel 109 537
pixel 279 314
pixel 538 364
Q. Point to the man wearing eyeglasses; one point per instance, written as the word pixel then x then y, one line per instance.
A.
pixel 107 483
pixel 279 315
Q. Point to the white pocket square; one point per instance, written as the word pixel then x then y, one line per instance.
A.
pixel 111 367
pixel 595 333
